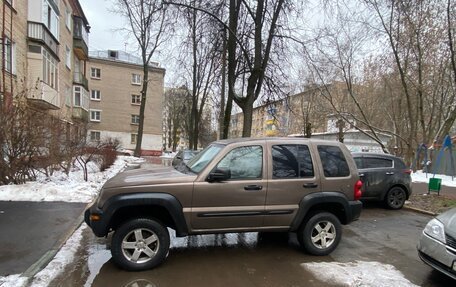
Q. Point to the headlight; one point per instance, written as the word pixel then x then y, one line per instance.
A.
pixel 435 230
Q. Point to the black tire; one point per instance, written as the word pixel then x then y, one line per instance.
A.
pixel 316 242
pixel 395 198
pixel 146 244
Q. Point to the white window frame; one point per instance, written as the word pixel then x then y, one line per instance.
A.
pixel 135 119
pixel 50 70
pixel 93 73
pixel 133 138
pixel 95 119
pixel 68 18
pixel 95 133
pixel 9 55
pixel 97 94
pixel 68 57
pixel 136 79
pixel 133 99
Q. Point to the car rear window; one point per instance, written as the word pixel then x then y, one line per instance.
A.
pixel 372 162
pixel 291 161
pixel 333 161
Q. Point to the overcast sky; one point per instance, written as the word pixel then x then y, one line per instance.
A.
pixel 103 24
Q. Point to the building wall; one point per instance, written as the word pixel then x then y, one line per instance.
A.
pixel 116 88
pixel 18 33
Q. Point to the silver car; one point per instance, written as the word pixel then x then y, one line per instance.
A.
pixel 437 245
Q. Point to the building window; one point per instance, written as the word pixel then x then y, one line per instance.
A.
pixel 68 57
pixel 9 55
pixel 95 73
pixel 95 136
pixel 50 18
pixel 68 18
pixel 95 95
pixel 67 96
pixel 135 99
pixel 134 138
pixel 135 119
pixel 136 79
pixel 77 96
pixel 95 115
pixel 50 69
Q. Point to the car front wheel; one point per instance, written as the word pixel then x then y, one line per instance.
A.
pixel 140 244
pixel 321 234
pixel 395 198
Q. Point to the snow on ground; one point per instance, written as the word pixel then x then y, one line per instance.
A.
pixel 60 187
pixel 420 176
pixel 168 155
pixel 13 281
pixel 358 273
pixel 64 257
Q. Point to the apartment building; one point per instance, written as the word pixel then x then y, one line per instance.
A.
pixel 45 48
pixel 115 82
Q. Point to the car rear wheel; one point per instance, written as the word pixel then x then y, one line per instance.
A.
pixel 395 198
pixel 140 244
pixel 321 234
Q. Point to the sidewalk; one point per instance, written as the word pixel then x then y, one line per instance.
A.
pixel 32 232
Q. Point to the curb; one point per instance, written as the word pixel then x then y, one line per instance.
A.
pixel 41 263
pixel 418 210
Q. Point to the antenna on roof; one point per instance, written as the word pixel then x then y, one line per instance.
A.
pixel 126 43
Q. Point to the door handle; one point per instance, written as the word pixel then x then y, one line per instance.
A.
pixel 310 185
pixel 390 173
pixel 253 187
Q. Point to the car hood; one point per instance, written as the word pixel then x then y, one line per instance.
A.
pixel 148 176
pixel 448 218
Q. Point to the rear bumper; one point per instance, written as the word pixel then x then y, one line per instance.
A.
pixel 355 210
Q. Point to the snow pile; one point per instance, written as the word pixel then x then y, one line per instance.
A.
pixel 60 187
pixel 64 257
pixel 358 273
pixel 420 176
pixel 168 155
pixel 13 281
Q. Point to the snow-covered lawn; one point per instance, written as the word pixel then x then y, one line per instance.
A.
pixel 60 187
pixel 419 176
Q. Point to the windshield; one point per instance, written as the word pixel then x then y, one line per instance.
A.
pixel 202 159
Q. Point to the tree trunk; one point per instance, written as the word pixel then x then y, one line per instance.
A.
pixel 142 109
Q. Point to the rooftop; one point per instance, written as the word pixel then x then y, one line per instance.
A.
pixel 120 56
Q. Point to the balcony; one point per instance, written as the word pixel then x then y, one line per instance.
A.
pixel 80 79
pixel 38 32
pixel 44 98
pixel 80 38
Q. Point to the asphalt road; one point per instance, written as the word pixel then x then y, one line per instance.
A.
pixel 30 229
pixel 252 259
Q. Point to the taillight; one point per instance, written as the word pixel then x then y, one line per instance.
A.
pixel 408 171
pixel 357 191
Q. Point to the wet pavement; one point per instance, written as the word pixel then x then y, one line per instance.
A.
pixel 30 229
pixel 263 259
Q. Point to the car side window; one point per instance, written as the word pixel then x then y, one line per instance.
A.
pixel 372 162
pixel 291 161
pixel 333 161
pixel 243 162
pixel 359 162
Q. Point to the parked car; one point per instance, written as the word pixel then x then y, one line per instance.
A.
pixel 437 245
pixel 310 187
pixel 183 156
pixel 385 178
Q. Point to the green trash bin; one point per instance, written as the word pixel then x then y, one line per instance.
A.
pixel 434 185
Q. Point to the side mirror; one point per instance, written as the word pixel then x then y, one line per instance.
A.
pixel 219 175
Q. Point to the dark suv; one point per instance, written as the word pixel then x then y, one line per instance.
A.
pixel 385 178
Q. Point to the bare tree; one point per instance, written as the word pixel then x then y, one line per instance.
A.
pixel 149 26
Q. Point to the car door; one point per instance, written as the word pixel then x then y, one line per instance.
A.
pixel 376 175
pixel 237 202
pixel 292 176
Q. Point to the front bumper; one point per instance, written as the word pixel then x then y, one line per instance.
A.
pixel 437 255
pixel 99 227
